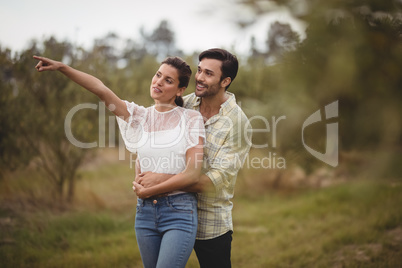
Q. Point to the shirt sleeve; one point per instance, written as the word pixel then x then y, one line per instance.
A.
pixel 229 156
pixel 131 129
pixel 195 128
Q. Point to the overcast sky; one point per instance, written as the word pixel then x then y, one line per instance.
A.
pixel 81 21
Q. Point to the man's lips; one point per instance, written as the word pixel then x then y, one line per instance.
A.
pixel 200 86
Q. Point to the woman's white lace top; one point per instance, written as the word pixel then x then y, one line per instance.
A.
pixel 161 139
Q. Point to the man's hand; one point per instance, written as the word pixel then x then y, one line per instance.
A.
pixel 140 191
pixel 149 179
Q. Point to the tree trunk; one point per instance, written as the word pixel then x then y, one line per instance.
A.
pixel 60 184
pixel 71 189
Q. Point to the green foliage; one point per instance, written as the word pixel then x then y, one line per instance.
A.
pixel 12 155
pixel 352 54
pixel 35 113
pixel 281 39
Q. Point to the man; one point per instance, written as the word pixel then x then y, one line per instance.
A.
pixel 228 141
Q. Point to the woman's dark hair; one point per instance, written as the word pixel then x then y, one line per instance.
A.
pixel 230 65
pixel 184 71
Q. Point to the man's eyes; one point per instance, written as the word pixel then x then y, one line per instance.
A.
pixel 207 73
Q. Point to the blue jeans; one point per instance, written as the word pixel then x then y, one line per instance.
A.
pixel 165 229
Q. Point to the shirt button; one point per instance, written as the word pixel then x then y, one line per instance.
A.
pixel 155 201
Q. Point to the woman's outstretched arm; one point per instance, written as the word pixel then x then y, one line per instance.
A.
pixel 87 81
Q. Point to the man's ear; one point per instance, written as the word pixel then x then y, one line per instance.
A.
pixel 225 82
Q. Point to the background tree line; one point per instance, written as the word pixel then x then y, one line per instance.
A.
pixel 352 53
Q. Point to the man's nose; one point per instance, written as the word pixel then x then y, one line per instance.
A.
pixel 200 76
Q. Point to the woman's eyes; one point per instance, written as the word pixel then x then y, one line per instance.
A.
pixel 169 81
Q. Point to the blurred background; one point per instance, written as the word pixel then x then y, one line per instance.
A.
pixel 296 57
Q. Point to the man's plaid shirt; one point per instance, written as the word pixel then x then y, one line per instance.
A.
pixel 228 141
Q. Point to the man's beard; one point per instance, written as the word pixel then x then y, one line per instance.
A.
pixel 208 90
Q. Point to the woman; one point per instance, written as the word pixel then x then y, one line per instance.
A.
pixel 167 139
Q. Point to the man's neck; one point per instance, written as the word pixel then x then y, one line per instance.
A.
pixel 211 105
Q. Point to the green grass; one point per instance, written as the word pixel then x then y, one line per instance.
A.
pixel 354 224
pixel 348 225
pixel 72 240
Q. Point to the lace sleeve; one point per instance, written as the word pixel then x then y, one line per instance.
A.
pixel 195 128
pixel 131 129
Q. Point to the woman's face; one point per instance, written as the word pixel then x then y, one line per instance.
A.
pixel 165 85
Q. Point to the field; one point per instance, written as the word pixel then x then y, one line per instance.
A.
pixel 353 224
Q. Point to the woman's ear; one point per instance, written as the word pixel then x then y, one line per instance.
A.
pixel 180 91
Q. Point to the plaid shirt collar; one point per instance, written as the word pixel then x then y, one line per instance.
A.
pixel 226 107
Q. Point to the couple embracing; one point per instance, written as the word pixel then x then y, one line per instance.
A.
pixel 186 202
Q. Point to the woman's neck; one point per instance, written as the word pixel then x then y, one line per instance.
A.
pixel 164 107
